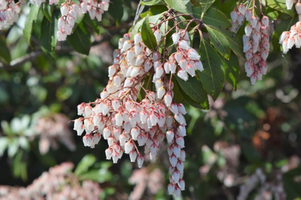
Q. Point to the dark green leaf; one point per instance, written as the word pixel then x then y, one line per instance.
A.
pixel 193 103
pixel 86 162
pixel 147 84
pixel 225 6
pixel 205 4
pixel 292 173
pixel 183 6
pixel 216 18
pixel 155 10
pixel 116 10
pixel 48 38
pixel 152 2
pixel 178 94
pixel 235 43
pixel 250 152
pixel 147 34
pixel 92 23
pixel 232 72
pixel 47 10
pixel 280 6
pixel 4 141
pixel 219 41
pixel 80 40
pixel 4 97
pixel 31 18
pixel 213 75
pixel 4 51
pixel 194 89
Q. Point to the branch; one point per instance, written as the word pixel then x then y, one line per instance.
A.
pixel 32 55
pixel 20 61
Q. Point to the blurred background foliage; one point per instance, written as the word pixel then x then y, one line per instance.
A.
pixel 253 127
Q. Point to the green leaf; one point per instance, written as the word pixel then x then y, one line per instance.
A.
pixel 219 41
pixel 216 18
pixel 3 144
pixel 182 6
pixel 213 75
pixel 178 94
pixel 147 34
pixel 47 10
pixel 250 152
pixel 232 72
pixel 4 97
pixel 48 38
pixel 6 128
pixel 147 84
pixel 155 10
pixel 86 162
pixel 205 4
pixel 98 175
pixel 155 18
pixel 194 89
pixel 280 6
pixel 190 101
pixel 272 14
pixel 92 23
pixel 136 28
pixel 80 40
pixel 152 2
pixel 235 43
pixel 4 51
pixel 63 93
pixel 31 18
pixel 13 147
pixel 116 10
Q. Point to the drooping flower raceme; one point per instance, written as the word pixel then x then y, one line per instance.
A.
pixel 256 46
pixel 9 12
pixel 292 37
pixel 128 124
pixel 70 11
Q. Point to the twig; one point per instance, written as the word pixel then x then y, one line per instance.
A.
pixel 20 61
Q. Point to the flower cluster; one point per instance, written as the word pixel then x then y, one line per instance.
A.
pixel 237 17
pixel 58 183
pixel 128 124
pixel 52 128
pixel 71 11
pixel 290 38
pixel 9 12
pixel 267 189
pixel 256 46
pixel 146 181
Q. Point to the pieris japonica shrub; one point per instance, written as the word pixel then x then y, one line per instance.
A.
pixel 172 53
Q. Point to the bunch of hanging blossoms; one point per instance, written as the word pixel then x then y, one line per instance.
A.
pixel 129 123
pixel 70 12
